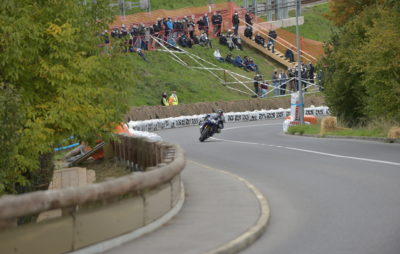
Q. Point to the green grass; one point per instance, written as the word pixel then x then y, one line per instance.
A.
pixel 304 129
pixel 176 4
pixel 361 132
pixel 316 26
pixel 355 132
pixel 162 73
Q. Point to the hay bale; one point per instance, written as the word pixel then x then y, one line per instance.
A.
pixel 328 123
pixel 394 132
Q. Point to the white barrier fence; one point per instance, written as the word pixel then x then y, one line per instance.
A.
pixel 184 121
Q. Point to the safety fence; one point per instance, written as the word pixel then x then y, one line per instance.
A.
pixel 184 121
pixel 97 212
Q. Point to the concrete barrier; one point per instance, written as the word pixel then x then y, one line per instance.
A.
pixel 97 212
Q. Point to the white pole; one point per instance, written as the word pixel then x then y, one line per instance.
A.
pixel 301 106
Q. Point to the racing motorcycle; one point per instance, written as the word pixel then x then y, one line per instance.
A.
pixel 207 129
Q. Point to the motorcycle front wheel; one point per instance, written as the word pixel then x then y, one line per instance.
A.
pixel 204 134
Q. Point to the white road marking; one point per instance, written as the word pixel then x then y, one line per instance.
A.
pixel 248 126
pixel 311 151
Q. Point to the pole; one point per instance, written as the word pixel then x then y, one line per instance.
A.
pixel 301 106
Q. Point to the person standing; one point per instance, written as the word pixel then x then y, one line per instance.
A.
pixel 275 83
pixel 257 81
pixel 272 35
pixel 248 19
pixel 173 99
pixel 206 23
pixel 264 89
pixel 164 101
pixel 283 80
pixel 311 71
pixel 235 22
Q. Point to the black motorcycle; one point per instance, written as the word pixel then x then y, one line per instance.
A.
pixel 207 129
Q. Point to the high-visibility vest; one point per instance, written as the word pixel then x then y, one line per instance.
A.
pixel 165 102
pixel 173 100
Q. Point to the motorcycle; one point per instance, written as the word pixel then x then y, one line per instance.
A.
pixel 207 129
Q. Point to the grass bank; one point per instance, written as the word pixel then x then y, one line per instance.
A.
pixel 316 26
pixel 371 131
pixel 162 73
pixel 176 4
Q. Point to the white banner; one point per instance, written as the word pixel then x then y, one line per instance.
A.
pixel 230 117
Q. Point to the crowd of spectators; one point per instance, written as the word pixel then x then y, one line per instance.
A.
pixel 284 81
pixel 307 74
pixel 246 63
pixel 177 31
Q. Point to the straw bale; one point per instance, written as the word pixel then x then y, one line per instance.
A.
pixel 394 132
pixel 328 123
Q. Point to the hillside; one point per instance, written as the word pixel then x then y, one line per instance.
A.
pixel 316 25
pixel 162 73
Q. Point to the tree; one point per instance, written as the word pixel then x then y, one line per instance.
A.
pixel 57 78
pixel 341 11
pixel 362 68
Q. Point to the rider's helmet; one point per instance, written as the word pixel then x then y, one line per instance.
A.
pixel 220 112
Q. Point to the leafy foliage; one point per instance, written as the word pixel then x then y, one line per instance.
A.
pixel 342 10
pixel 361 66
pixel 57 80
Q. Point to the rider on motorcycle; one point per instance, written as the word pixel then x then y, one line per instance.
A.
pixel 218 119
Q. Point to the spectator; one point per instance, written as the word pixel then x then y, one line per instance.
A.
pixel 260 40
pixel 272 35
pixel 218 56
pixel 304 76
pixel 264 89
pixel 238 62
pixel 223 40
pixel 289 55
pixel 141 54
pixel 282 80
pixel 123 30
pixel 173 99
pixel 249 64
pixel 200 24
pixel 229 58
pixel 320 79
pixel 275 82
pixel 248 32
pixel 191 27
pixel 237 41
pixel 252 66
pixel 204 41
pixel 292 83
pixel 235 22
pixel 169 26
pixel 164 101
pixel 311 70
pixel 206 23
pixel 146 40
pixel 248 19
pixel 184 41
pixel 216 20
pixel 229 40
pixel 257 81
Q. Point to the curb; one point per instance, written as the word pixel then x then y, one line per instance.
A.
pixel 117 241
pixel 384 140
pixel 253 233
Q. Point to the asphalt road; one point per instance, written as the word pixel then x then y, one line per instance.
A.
pixel 326 195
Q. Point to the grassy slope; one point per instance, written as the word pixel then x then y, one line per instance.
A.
pixel 316 26
pixel 176 4
pixel 162 73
